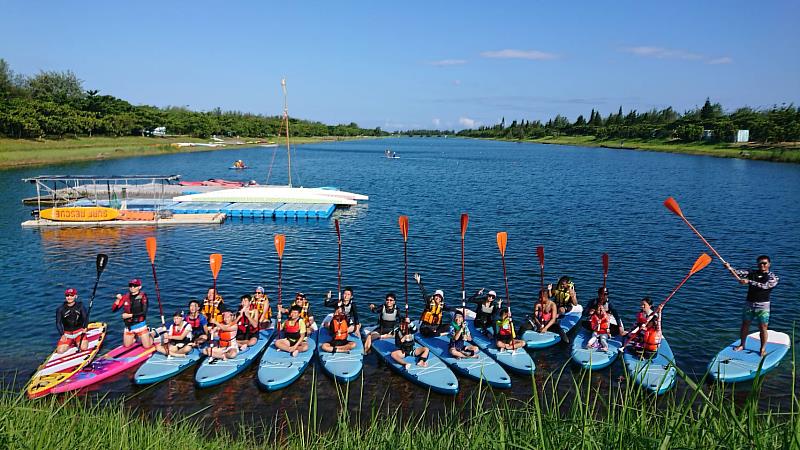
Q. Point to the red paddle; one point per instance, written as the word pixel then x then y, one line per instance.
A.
pixel 540 254
pixel 605 268
pixel 464 223
pixel 280 243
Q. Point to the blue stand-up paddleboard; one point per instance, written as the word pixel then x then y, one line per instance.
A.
pixel 160 367
pixel 216 371
pixel 535 340
pixel 342 366
pixel 730 366
pixel 593 358
pixel 481 368
pixel 517 361
pixel 436 376
pixel 279 369
pixel 657 373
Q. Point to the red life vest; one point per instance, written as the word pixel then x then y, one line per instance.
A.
pixel 292 331
pixel 600 326
pixel 652 339
pixel 244 325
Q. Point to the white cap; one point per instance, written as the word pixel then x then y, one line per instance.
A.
pixel 440 293
pixel 492 294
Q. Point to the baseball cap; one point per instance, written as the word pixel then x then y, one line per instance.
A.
pixel 440 293
pixel 135 282
pixel 70 291
pixel 492 294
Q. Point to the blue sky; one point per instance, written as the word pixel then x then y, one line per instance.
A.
pixel 416 64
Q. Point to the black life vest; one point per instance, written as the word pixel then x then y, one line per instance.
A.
pixel 754 293
pixel 136 306
pixel 197 328
pixel 71 317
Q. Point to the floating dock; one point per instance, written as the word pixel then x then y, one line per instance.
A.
pixel 176 219
pixel 274 210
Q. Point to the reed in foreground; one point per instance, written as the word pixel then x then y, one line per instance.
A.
pixel 583 416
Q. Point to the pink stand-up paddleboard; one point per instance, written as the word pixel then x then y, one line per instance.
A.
pixel 110 364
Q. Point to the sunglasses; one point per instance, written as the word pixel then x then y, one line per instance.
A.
pixel 134 285
pixel 763 263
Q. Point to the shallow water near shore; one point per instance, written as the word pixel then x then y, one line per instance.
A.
pixel 576 202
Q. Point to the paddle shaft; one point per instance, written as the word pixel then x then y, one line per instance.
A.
pixel 339 260
pixel 713 250
pixel 280 276
pixel 405 272
pixel 102 260
pixel 508 298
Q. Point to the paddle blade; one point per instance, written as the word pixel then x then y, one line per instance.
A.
pixel 672 205
pixel 102 262
pixel 605 264
pixel 280 243
pixel 215 261
pixel 338 233
pixel 540 254
pixel 403 222
pixel 701 263
pixel 151 248
pixel 502 239
pixel 464 223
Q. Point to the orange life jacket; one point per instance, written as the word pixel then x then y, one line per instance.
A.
pixel 212 309
pixel 652 339
pixel 226 337
pixel 339 329
pixel 432 314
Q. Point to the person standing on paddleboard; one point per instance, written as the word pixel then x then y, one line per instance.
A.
pixel 71 322
pixel 760 282
pixel 134 315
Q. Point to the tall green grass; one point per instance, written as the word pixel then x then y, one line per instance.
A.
pixel 589 414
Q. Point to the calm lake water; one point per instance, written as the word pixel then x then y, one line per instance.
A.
pixel 576 202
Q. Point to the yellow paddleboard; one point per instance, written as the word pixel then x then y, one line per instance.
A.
pixel 80 214
pixel 60 366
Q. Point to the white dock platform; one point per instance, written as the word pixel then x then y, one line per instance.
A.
pixel 176 219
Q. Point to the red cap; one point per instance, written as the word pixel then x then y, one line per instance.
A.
pixel 135 282
pixel 70 291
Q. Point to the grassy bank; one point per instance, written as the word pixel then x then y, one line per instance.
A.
pixel 620 416
pixel 30 152
pixel 789 152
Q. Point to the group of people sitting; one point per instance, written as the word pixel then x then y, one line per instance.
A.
pixel 223 333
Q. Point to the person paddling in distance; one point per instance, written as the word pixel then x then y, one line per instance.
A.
pixel 225 331
pixel 339 330
pixel 431 319
pixel 294 333
pixel 388 315
pixel 506 339
pixel 563 294
pixel 599 324
pixel 404 341
pixel 459 338
pixel 178 337
pixel 198 322
pixel 261 304
pixel 71 322
pixel 213 305
pixel 760 282
pixel 134 315
pixel 616 327
pixel 246 323
pixel 349 308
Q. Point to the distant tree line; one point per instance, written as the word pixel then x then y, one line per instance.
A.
pixel 426 133
pixel 776 124
pixel 55 104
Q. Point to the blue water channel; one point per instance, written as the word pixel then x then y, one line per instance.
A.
pixel 576 202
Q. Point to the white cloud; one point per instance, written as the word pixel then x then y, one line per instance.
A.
pixel 467 122
pixel 519 54
pixel 436 122
pixel 662 53
pixel 448 62
pixel 722 60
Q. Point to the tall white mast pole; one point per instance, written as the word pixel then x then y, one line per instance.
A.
pixel 286 121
